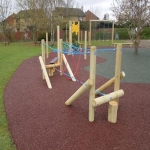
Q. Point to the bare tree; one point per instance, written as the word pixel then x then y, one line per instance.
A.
pixel 134 15
pixel 5 11
pixel 96 10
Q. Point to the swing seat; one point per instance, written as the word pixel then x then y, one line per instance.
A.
pixel 54 60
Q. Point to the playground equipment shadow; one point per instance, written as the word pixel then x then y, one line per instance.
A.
pixel 39 119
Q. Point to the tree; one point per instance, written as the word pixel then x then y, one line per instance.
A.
pixel 40 13
pixel 134 15
pixel 5 11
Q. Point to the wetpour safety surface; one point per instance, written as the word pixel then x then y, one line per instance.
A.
pixel 39 119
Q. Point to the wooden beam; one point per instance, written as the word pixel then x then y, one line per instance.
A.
pixel 109 97
pixel 108 84
pixel 79 92
pixel 92 77
pixel 45 72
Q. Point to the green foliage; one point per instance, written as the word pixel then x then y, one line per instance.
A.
pixel 16 53
pixel 146 33
pixel 123 34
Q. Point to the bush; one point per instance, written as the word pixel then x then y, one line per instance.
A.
pixel 122 32
pixel 146 33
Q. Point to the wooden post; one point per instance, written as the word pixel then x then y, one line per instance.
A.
pixel 45 72
pixel 118 68
pixel 70 35
pixel 112 111
pixel 78 31
pixel 43 54
pixel 92 77
pixel 112 37
pixel 117 81
pixel 58 37
pixel 85 44
pixel 79 92
pixel 81 36
pixel 47 45
pixel 108 84
pixel 60 57
pixel 90 34
pixel 109 97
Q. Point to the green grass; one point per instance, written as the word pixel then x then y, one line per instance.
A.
pixel 11 58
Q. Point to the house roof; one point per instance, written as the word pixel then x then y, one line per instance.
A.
pixel 89 15
pixel 77 12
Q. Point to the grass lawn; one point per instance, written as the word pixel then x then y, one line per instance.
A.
pixel 11 57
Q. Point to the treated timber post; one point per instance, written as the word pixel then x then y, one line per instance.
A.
pixel 60 57
pixel 118 68
pixel 85 44
pixel 43 53
pixel 70 35
pixel 112 109
pixel 58 44
pixel 46 45
pixel 78 31
pixel 92 77
pixel 90 34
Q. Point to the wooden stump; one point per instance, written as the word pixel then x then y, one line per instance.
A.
pixel 112 111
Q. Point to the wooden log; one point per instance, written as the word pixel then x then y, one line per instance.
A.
pixel 43 53
pixel 45 72
pixel 52 65
pixel 79 92
pixel 60 57
pixel 58 44
pixel 85 44
pixel 92 77
pixel 68 68
pixel 112 111
pixel 109 97
pixel 51 71
pixel 118 68
pixel 78 31
pixel 108 84
pixel 47 45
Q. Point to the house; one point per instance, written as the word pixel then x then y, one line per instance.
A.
pixel 66 14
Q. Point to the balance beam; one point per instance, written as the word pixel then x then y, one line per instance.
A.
pixel 109 97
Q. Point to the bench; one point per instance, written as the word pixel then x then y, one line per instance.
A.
pixel 37 43
pixel 54 60
pixel 131 44
pixel 6 43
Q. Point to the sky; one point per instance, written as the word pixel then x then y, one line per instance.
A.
pixel 104 5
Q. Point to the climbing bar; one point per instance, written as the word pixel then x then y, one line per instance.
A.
pixel 109 97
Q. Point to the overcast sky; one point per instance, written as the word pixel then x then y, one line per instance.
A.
pixel 104 5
